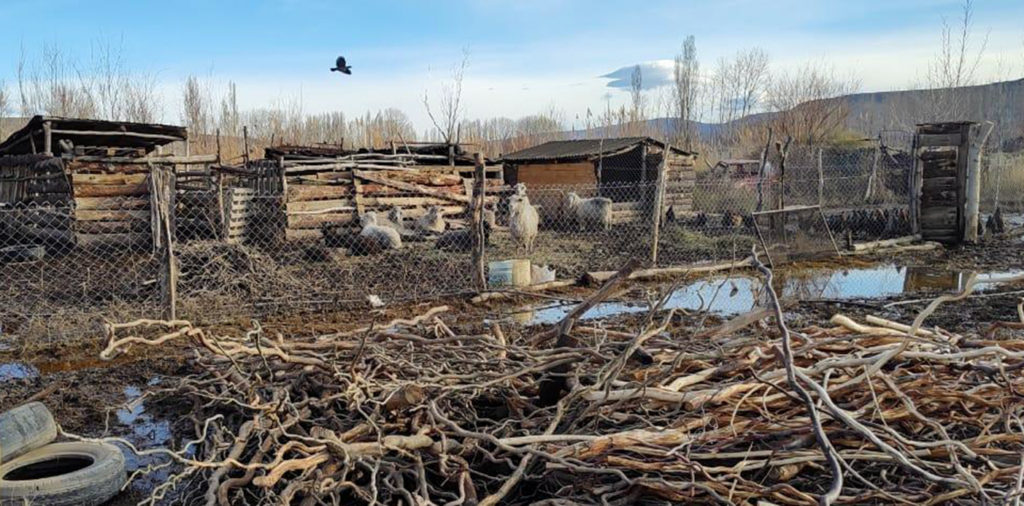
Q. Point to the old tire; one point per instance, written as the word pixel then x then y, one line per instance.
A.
pixel 63 474
pixel 25 428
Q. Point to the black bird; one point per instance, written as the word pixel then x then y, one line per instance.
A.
pixel 339 66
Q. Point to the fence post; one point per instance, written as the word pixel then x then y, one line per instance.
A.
pixel 477 208
pixel 659 203
pixel 761 171
pixel 870 190
pixel 161 200
pixel 973 190
pixel 821 181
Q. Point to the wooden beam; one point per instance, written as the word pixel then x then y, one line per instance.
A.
pixel 929 140
pixel 47 138
pixel 114 133
pixel 410 187
pixel 125 160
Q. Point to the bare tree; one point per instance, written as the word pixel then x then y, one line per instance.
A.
pixel 98 86
pixel 447 117
pixel 808 103
pixel 229 116
pixel 686 92
pixel 954 66
pixel 195 104
pixel 751 74
pixel 5 106
pixel 637 111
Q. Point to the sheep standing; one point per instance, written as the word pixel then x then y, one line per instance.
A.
pixel 432 222
pixel 374 238
pixel 590 214
pixel 523 221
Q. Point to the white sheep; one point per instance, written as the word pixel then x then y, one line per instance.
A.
pixel 590 214
pixel 385 236
pixel 523 221
pixel 432 222
pixel 395 219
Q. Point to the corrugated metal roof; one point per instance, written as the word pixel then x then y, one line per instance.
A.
pixel 578 149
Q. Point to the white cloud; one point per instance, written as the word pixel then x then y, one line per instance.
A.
pixel 653 74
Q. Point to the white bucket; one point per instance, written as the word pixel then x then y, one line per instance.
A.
pixel 508 273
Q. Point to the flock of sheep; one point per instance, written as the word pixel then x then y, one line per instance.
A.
pixel 381 233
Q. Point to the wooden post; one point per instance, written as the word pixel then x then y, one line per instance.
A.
pixel 914 181
pixel 451 155
pixel 477 208
pixel 779 219
pixel 761 172
pixel 245 141
pixel 821 180
pixel 643 164
pixel 870 190
pixel 223 232
pixel 47 138
pixel 972 207
pixel 658 211
pixel 218 147
pixel 783 153
pixel 161 187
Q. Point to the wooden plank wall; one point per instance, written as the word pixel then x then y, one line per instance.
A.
pixel 33 179
pixel 336 198
pixel 112 204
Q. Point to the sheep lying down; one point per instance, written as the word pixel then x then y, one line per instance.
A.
pixel 374 238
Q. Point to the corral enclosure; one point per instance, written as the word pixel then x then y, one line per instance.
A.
pixel 282 232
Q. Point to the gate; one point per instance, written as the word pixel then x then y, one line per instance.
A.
pixel 938 191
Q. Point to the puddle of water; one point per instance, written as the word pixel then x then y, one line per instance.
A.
pixel 17 371
pixel 729 296
pixel 145 431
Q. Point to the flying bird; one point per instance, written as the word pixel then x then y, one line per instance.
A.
pixel 341 67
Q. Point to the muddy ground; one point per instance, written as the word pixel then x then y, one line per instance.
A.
pixel 88 396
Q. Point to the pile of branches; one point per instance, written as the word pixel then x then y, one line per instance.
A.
pixel 421 411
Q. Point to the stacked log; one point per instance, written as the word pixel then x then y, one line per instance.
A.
pixel 111 209
pixel 679 183
pixel 332 199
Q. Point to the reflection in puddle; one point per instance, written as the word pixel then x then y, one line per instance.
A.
pixel 17 371
pixel 736 294
pixel 145 432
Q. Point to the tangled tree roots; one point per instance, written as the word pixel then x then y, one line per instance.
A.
pixel 418 412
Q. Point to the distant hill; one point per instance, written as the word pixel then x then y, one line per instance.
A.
pixel 869 113
pixel 1000 102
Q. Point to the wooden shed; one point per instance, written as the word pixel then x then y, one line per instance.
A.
pixel 78 182
pixel 624 169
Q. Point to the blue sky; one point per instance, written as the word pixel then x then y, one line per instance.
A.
pixel 525 56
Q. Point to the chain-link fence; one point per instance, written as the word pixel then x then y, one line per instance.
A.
pixel 258 239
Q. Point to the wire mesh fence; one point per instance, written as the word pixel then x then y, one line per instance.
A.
pixel 348 239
